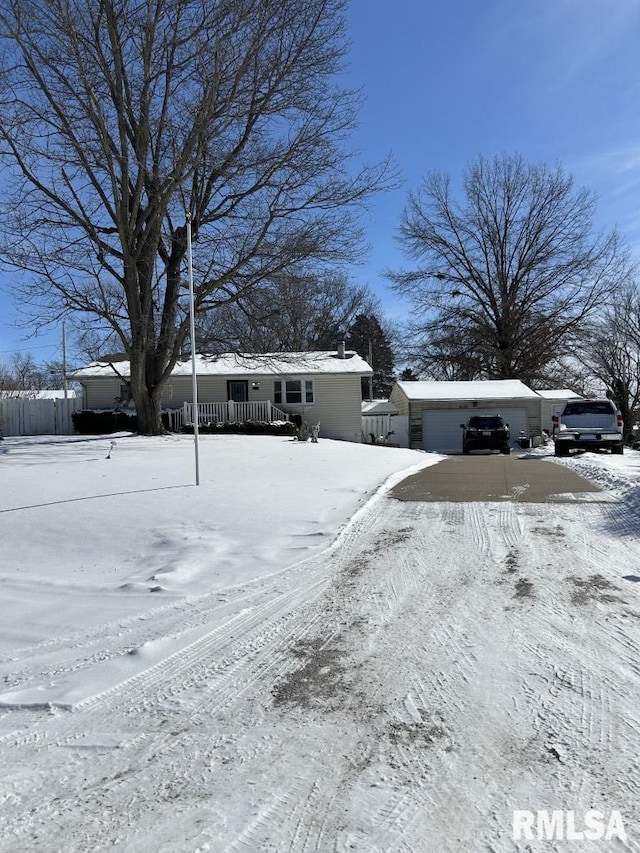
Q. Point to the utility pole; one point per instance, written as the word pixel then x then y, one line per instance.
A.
pixel 370 360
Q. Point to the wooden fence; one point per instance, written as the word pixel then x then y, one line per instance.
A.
pixel 20 416
pixel 385 429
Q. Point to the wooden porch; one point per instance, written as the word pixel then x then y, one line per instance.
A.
pixel 230 412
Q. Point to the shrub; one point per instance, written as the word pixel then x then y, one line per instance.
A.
pixel 106 421
pixel 90 422
pixel 244 428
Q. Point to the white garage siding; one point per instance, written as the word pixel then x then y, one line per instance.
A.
pixel 441 427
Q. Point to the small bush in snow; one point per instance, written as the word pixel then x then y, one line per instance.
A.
pixel 244 428
pixel 105 421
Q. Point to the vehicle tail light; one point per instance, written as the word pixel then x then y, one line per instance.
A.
pixel 619 420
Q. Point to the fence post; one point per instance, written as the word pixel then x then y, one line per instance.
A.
pixel 231 411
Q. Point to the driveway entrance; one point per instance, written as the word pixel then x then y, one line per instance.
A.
pixel 493 477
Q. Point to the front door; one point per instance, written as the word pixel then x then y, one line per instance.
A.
pixel 238 390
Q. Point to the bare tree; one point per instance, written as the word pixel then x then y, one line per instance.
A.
pixel 23 373
pixel 611 352
pixel 505 278
pixel 120 117
pixel 438 350
pixel 295 312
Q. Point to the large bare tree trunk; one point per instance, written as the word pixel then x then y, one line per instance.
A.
pixel 148 411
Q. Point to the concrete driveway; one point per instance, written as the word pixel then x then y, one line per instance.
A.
pixel 494 477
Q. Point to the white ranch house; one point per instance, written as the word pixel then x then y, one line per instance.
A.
pixel 320 387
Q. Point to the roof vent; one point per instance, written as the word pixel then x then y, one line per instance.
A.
pixel 341 349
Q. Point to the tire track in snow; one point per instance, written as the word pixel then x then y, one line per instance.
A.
pixel 456 659
pixel 412 675
pixel 232 660
pixel 268 634
pixel 244 634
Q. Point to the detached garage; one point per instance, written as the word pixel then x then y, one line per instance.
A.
pixel 435 410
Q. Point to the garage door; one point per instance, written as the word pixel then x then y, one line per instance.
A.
pixel 441 427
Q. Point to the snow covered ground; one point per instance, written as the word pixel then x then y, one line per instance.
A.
pixel 286 659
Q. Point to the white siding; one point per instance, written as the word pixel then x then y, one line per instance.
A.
pixel 337 398
pixel 101 394
pixel 337 407
pixel 399 400
pixel 549 408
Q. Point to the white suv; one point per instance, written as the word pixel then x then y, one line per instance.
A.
pixel 588 425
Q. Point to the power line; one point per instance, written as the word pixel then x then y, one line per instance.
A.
pixel 28 349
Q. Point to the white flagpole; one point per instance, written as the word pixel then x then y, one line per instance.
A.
pixel 65 384
pixel 194 378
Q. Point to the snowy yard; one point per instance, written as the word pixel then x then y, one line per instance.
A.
pixel 286 659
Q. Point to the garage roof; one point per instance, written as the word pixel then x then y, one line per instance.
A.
pixel 558 394
pixel 480 389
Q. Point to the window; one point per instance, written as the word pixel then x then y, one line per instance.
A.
pixel 589 407
pixel 486 422
pixel 293 391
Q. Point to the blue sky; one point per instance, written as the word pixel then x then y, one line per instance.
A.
pixel 447 80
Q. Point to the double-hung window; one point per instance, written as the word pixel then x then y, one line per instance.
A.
pixel 293 391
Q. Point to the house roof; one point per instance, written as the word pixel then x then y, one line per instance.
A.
pixel 231 364
pixel 490 389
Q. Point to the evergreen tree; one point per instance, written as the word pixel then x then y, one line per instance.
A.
pixel 367 337
pixel 408 375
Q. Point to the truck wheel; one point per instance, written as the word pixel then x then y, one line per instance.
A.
pixel 506 451
pixel 465 451
pixel 561 451
pixel 618 449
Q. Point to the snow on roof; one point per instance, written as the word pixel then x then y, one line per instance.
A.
pixel 480 389
pixel 378 407
pixel 268 364
pixel 558 394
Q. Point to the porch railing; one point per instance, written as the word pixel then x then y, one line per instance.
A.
pixel 228 412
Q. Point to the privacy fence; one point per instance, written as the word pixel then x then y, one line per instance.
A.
pixel 385 429
pixel 37 417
